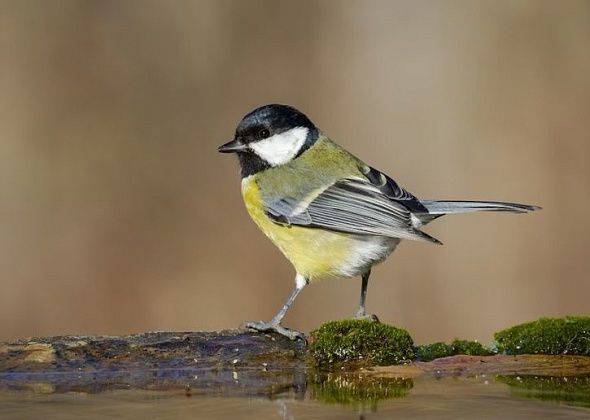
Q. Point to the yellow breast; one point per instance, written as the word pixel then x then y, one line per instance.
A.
pixel 313 252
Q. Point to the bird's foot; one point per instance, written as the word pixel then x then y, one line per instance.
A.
pixel 263 326
pixel 366 317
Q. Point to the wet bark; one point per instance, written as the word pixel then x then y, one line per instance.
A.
pixel 204 362
pixel 461 365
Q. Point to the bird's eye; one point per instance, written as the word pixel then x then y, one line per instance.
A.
pixel 264 133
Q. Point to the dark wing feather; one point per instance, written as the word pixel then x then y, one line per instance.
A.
pixel 392 189
pixel 350 205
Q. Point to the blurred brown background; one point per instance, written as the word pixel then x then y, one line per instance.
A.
pixel 117 214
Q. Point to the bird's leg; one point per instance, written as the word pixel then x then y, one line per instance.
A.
pixel 364 285
pixel 275 323
pixel 360 313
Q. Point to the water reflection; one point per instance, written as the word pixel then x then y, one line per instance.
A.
pixel 260 393
pixel 347 389
pixel 235 382
pixel 573 390
pixel 356 390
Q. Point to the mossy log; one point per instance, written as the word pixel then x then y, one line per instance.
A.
pixel 229 362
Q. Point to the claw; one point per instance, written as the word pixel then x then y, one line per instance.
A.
pixel 367 317
pixel 262 326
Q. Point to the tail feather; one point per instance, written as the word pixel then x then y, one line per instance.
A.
pixel 438 208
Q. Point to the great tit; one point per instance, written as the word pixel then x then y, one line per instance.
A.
pixel 328 212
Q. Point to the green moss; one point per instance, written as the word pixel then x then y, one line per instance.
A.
pixel 569 335
pixel 470 348
pixel 573 390
pixel 356 389
pixel 428 352
pixel 360 342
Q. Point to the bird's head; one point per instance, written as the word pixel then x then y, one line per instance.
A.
pixel 269 136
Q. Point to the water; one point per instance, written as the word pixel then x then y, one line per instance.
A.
pixel 330 396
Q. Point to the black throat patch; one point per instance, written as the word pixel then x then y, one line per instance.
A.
pixel 251 163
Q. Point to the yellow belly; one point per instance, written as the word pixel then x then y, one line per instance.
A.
pixel 315 252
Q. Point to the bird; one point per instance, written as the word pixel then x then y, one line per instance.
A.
pixel 327 211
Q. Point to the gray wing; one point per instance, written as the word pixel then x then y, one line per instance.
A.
pixel 351 205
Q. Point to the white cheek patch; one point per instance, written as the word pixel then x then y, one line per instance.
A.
pixel 281 148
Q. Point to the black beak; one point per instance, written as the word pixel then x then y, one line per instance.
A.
pixel 232 147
